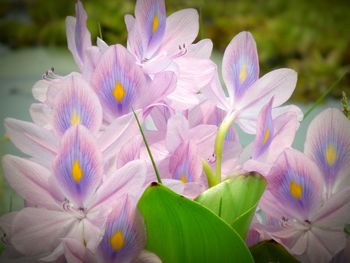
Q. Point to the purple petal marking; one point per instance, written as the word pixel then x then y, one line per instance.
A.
pixel 185 164
pixel 151 20
pixel 295 182
pixel 265 131
pixel 328 144
pixel 77 104
pixel 117 81
pixel 77 167
pixel 124 237
pixel 240 65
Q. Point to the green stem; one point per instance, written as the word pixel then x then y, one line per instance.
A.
pixel 209 173
pixel 325 94
pixel 148 149
pixel 219 145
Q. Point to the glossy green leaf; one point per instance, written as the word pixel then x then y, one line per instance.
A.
pixel 271 251
pixel 235 200
pixel 181 230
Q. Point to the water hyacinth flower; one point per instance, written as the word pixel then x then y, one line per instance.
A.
pixel 75 198
pixel 273 136
pixel 308 225
pixel 160 43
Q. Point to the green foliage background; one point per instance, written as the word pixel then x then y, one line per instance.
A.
pixel 311 37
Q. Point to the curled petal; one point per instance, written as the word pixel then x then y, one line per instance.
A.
pixel 77 167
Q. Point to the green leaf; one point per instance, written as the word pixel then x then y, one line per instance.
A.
pixel 271 251
pixel 235 200
pixel 181 230
pixel 347 229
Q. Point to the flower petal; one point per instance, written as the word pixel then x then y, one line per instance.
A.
pixel 328 144
pixel 33 140
pixel 150 18
pixel 181 30
pixel 124 237
pixel 38 231
pixel 295 183
pixel 118 81
pixel 240 65
pixel 41 114
pixel 77 167
pixel 78 36
pixel 30 181
pixel 77 104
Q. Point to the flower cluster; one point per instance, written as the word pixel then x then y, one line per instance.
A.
pixel 87 165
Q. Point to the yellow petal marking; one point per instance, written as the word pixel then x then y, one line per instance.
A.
pixel 331 155
pixel 75 118
pixel 77 172
pixel 183 178
pixel 296 190
pixel 117 240
pixel 243 73
pixel 118 92
pixel 266 136
pixel 155 23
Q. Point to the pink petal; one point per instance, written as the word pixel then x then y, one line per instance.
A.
pixel 328 144
pixel 201 49
pixel 40 114
pixel 32 140
pixel 38 231
pixel 181 30
pixel 177 132
pixel 240 65
pixel 30 181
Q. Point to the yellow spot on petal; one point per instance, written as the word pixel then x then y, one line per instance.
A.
pixel 266 136
pixel 183 178
pixel 296 190
pixel 117 240
pixel 331 155
pixel 155 23
pixel 77 172
pixel 75 118
pixel 243 73
pixel 118 92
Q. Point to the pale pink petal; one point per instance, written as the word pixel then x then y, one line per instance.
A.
pixel 147 257
pixel 328 144
pixel 33 140
pixel 30 181
pixel 38 231
pixel 41 114
pixel 240 65
pixel 129 180
pixel 201 49
pixel 181 30
pixel 177 132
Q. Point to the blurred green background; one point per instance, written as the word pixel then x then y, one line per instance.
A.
pixel 311 37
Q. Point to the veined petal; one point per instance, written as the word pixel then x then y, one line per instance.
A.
pixel 184 164
pixel 33 140
pixel 150 18
pixel 328 144
pixel 124 237
pixel 30 181
pixel 279 84
pixel 77 167
pixel 181 30
pixel 147 257
pixel 162 84
pixel 118 81
pixel 177 132
pixel 265 131
pixel 295 183
pixel 240 65
pixel 129 179
pixel 78 36
pixel 77 105
pixel 38 231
